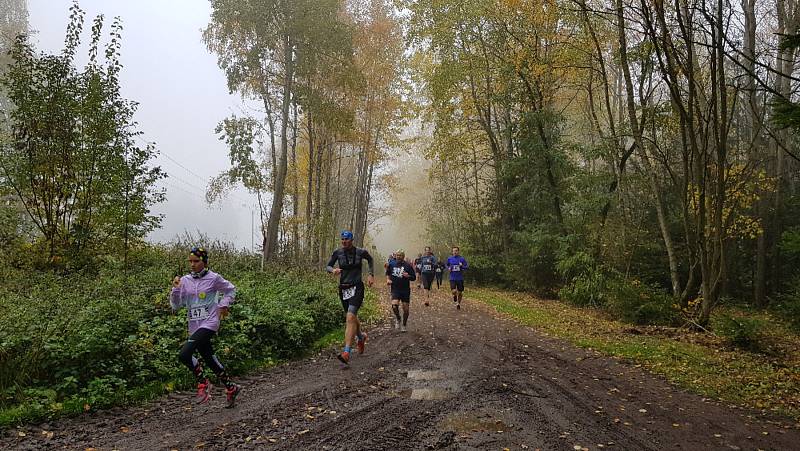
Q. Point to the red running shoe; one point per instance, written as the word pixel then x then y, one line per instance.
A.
pixel 344 357
pixel 203 391
pixel 232 392
pixel 360 343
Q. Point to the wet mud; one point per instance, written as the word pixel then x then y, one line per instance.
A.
pixel 458 379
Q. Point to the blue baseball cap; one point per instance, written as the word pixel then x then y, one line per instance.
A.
pixel 347 235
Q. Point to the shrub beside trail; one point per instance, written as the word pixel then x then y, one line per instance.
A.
pixel 70 343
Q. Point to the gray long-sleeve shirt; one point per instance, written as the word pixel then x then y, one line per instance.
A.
pixel 350 263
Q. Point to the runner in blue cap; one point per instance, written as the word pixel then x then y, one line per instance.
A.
pixel 351 290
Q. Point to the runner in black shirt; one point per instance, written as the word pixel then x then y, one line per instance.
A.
pixel 398 276
pixel 351 289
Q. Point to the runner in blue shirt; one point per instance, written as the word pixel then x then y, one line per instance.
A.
pixel 456 264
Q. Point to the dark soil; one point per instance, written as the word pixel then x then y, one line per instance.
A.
pixel 459 379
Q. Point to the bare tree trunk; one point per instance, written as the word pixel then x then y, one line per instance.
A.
pixel 280 179
pixel 295 194
pixel 310 187
pixel 317 193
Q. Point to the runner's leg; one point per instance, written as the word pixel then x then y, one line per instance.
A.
pixel 396 311
pixel 206 349
pixel 406 311
pixel 186 355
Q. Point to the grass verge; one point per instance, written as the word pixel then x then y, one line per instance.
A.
pixel 699 363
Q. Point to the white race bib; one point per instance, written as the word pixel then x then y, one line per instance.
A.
pixel 397 272
pixel 198 313
pixel 455 268
pixel 438 269
pixel 348 293
pixel 426 267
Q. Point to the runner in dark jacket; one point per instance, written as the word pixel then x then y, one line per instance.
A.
pixel 351 289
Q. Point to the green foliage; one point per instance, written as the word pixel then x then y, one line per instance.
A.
pixel 71 160
pixel 785 113
pixel 741 332
pixel 529 262
pixel 790 243
pixel 93 340
pixel 586 282
pixel 590 284
pixel 788 304
pixel 638 303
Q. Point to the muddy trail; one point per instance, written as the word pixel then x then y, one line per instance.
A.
pixel 458 379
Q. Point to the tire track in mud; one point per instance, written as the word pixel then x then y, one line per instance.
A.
pixel 497 385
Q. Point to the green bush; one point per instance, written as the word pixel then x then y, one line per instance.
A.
pixel 528 262
pixel 587 282
pixel 744 333
pixel 638 303
pixel 97 340
pixel 788 304
pixel 592 285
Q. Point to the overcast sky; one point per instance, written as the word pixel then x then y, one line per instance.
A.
pixel 182 95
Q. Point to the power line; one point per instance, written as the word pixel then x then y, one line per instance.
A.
pixel 248 202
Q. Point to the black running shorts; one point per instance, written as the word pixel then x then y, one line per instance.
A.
pixel 457 284
pixel 402 296
pixel 354 295
pixel 427 280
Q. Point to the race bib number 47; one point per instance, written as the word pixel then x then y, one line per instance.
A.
pixel 198 313
pixel 348 293
pixel 455 268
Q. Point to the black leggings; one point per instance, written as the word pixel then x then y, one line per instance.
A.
pixel 200 341
pixel 439 279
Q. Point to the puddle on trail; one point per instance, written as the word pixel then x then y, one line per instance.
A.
pixel 425 375
pixel 429 393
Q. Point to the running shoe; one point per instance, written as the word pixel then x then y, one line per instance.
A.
pixel 203 391
pixel 344 357
pixel 360 343
pixel 403 328
pixel 396 324
pixel 232 392
pixel 427 304
pixel 458 306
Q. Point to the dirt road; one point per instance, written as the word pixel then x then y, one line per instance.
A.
pixel 458 379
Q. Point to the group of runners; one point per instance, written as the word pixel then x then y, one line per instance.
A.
pixel 400 272
pixel 207 297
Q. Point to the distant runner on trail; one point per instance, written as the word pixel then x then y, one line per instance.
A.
pixel 428 271
pixel 440 267
pixel 418 269
pixel 207 297
pixel 456 264
pixel 351 290
pixel 399 275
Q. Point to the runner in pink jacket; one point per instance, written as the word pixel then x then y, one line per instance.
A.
pixel 207 297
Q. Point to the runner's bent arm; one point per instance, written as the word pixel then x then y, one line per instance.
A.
pixel 228 290
pixel 411 275
pixel 331 262
pixel 370 261
pixel 176 299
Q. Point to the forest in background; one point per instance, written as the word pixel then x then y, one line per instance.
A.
pixel 637 155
